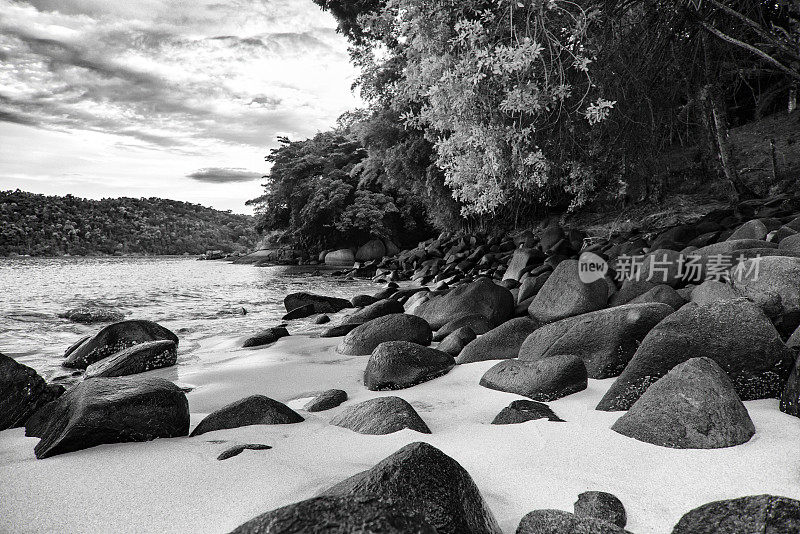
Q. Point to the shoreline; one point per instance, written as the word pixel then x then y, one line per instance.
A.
pixel 178 485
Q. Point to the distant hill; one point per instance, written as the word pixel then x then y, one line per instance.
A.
pixel 42 225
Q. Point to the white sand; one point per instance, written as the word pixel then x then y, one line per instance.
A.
pixel 178 485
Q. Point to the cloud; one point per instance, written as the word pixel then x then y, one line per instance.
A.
pixel 218 175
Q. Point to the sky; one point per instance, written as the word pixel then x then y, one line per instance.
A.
pixel 168 98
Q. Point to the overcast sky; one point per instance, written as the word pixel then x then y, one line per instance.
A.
pixel 170 98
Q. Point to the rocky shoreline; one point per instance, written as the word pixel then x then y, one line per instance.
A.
pixel 683 357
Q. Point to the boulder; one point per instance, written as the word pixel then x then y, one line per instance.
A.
pixel 481 297
pixel 754 229
pixel 321 303
pixel 661 293
pixel 371 250
pixel 427 481
pixel 343 257
pixel 520 411
pixel 363 339
pixel 109 410
pixel 631 288
pixel 322 319
pixel 712 291
pixel 520 260
pixel 136 359
pixel 92 315
pixel 359 301
pixel 236 450
pixel 455 342
pixel 564 295
pixel 326 400
pixel 114 338
pixel 531 285
pixel 735 334
pixel 339 515
pixel 500 343
pixel 766 514
pixel 381 415
pixel 543 380
pixel 339 330
pixel 763 279
pixel 22 392
pixel 601 505
pixel 402 364
pixel 550 236
pixel 265 337
pixel 373 311
pixel 561 522
pixel 306 310
pixel 791 243
pixel 252 410
pixel 477 323
pixel 694 406
pixel 662 267
pixel 790 398
pixel 615 335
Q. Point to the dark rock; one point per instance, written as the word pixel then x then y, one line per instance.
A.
pixel 481 297
pixel 532 285
pixel 662 267
pixel 136 359
pixel 371 250
pixel 375 310
pixel 520 411
pixel 109 410
pixel 92 315
pixel 605 340
pixel 359 301
pixel 766 514
pixel 382 415
pixel 693 407
pixel 601 505
pixel 564 295
pixel 321 303
pixel 339 330
pixel 401 364
pixel 791 243
pixel 252 410
pixel 790 399
pixel 561 522
pixel 322 319
pixel 454 343
pixel 22 392
pixel 339 515
pixel 114 338
pixel 306 310
pixel 326 400
pixel 762 279
pixel 500 343
pixel 543 380
pixel 735 334
pixel 550 236
pixel 75 345
pixel 661 293
pixel 425 480
pixel 477 323
pixel 394 327
pixel 754 229
pixel 520 260
pixel 631 288
pixel 270 335
pixel 236 450
pixel 341 258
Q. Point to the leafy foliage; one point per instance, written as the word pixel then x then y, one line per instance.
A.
pixel 51 225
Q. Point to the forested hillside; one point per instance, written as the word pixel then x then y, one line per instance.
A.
pixel 42 225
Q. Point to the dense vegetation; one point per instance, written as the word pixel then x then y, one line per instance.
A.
pixel 492 112
pixel 42 225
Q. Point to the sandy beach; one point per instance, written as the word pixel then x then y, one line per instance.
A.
pixel 178 485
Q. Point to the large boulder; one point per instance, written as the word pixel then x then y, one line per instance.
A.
pixel 321 303
pixel 712 291
pixel 544 380
pixel 481 297
pixel 766 514
pixel 326 400
pixel 631 288
pixel 114 338
pixel 561 522
pixel 601 505
pixel 735 334
pixel 564 295
pixel 661 293
pixel 382 415
pixel 373 311
pixel 425 480
pixel 402 364
pixel 363 339
pixel 791 243
pixel 754 229
pixel 109 410
pixel 266 336
pixel 693 407
pixel 765 279
pixel 22 392
pixel 252 410
pixel 371 250
pixel 500 343
pixel 605 340
pixel 339 515
pixel 520 260
pixel 343 257
pixel 455 342
pixel 136 359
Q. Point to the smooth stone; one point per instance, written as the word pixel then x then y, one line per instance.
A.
pixel 565 295
pixel 114 338
pixel 544 380
pixel 520 411
pixel 402 364
pixel 22 392
pixel 339 330
pixel 306 310
pixel 326 400
pixel 136 359
pixel 252 410
pixel 265 337
pixel 766 514
pixel 477 323
pixel 381 415
pixel 561 522
pixel 373 311
pixel 500 343
pixel 481 297
pixel 455 342
pixel 321 303
pixel 601 505
pixel 363 339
